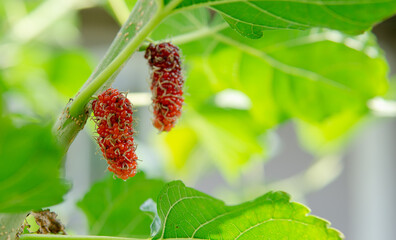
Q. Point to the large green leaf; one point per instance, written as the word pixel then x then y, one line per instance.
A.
pixel 112 206
pixel 336 68
pixel 334 75
pixel 188 213
pixel 251 17
pixel 29 168
pixel 323 78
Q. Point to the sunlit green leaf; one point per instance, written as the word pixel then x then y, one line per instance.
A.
pixel 29 168
pixel 183 149
pixel 324 78
pixel 229 136
pixel 188 213
pixel 251 18
pixel 112 206
pixel 68 70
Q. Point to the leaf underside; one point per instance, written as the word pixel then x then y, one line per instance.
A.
pixel 29 168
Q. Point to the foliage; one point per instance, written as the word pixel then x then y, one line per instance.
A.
pixel 327 92
pixel 251 18
pixel 29 176
pixel 189 214
pixel 112 206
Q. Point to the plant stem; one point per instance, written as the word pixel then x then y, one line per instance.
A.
pixel 192 36
pixel 201 33
pixel 120 10
pixel 71 237
pixel 74 116
pixel 81 100
pixel 297 71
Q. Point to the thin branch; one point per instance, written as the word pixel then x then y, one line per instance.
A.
pixel 75 114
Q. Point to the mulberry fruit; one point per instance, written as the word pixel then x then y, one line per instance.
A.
pixel 167 84
pixel 113 117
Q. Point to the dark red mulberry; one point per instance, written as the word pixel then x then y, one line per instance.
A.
pixel 167 84
pixel 113 117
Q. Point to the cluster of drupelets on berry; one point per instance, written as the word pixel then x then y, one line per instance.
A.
pixel 113 117
pixel 113 111
pixel 167 84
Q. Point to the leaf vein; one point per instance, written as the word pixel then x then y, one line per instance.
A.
pixel 269 220
pixel 174 204
pixel 275 16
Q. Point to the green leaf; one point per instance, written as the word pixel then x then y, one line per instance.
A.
pixel 68 70
pixel 112 206
pixel 333 77
pixel 29 168
pixel 188 213
pixel 229 136
pixel 323 78
pixel 180 151
pixel 251 18
pixel 191 26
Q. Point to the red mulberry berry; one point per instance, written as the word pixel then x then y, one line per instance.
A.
pixel 113 117
pixel 167 84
